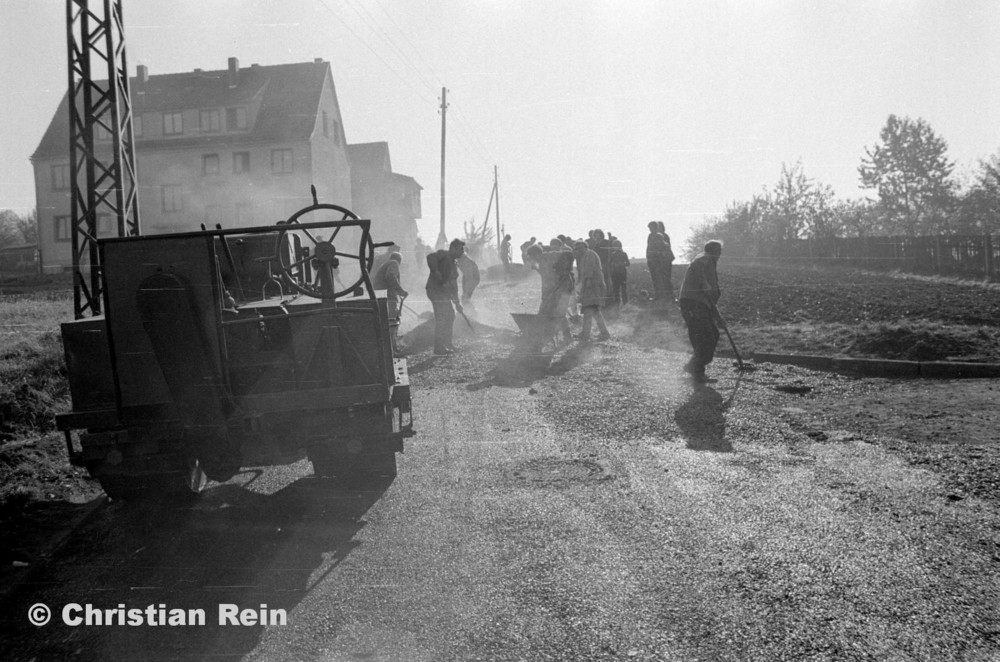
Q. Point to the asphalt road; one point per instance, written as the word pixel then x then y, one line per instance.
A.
pixel 601 507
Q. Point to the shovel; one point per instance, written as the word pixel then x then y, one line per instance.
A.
pixel 471 328
pixel 742 367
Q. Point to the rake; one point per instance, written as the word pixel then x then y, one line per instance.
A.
pixel 740 365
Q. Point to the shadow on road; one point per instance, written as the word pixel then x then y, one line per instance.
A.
pixel 233 547
pixel 702 422
pixel 520 369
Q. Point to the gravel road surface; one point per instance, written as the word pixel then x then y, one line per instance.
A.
pixel 598 507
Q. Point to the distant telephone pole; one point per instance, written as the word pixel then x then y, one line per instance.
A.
pixel 496 190
pixel 443 238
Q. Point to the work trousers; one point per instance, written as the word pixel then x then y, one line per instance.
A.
pixel 702 332
pixel 660 274
pixel 555 304
pixel 591 314
pixel 444 320
pixel 619 288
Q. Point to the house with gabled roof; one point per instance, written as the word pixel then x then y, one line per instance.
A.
pixel 231 147
pixel 380 193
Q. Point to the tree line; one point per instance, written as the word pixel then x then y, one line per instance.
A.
pixel 917 194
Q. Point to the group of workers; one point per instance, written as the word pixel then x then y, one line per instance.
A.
pixel 600 261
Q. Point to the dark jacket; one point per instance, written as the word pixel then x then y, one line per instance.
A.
pixel 701 282
pixel 442 282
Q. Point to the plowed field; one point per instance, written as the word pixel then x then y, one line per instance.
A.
pixel 846 312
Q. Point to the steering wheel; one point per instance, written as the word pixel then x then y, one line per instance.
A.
pixel 324 256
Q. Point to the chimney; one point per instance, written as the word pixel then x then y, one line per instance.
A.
pixel 142 74
pixel 234 72
pixel 318 60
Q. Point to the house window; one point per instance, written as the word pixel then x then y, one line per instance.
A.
pixel 60 177
pixel 244 214
pixel 173 199
pixel 241 162
pixel 326 124
pixel 210 121
pixel 173 124
pixel 137 126
pixel 338 133
pixel 281 161
pixel 209 164
pixel 236 119
pixel 63 228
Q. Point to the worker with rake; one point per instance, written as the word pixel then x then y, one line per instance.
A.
pixel 442 290
pixel 698 298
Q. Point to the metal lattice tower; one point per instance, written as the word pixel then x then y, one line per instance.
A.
pixel 103 177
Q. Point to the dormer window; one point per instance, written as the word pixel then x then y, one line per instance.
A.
pixel 236 119
pixel 211 121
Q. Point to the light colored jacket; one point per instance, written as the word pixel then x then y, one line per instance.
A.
pixel 592 285
pixel 387 278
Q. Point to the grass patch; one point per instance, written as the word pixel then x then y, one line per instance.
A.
pixel 32 384
pixel 33 389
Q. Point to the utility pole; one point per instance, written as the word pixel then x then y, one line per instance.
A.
pixel 103 182
pixel 496 192
pixel 442 238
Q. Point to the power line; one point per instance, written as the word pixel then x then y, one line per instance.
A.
pixel 466 135
pixel 373 24
pixel 375 53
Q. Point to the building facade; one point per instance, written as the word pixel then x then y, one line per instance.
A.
pixel 232 147
pixel 379 193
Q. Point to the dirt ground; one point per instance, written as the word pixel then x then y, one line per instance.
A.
pixel 949 427
pixel 598 506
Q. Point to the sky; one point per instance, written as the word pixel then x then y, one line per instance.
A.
pixel 596 114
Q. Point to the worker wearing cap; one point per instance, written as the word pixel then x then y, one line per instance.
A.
pixel 442 290
pixel 699 295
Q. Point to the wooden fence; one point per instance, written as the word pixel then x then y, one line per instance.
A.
pixel 18 260
pixel 964 256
